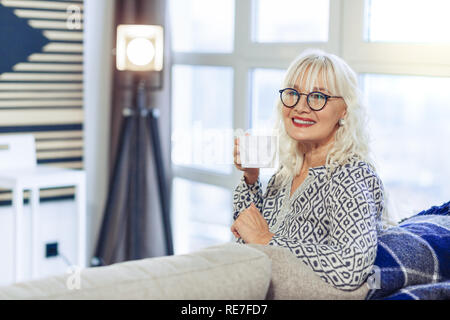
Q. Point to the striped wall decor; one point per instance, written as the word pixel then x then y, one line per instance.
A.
pixel 41 81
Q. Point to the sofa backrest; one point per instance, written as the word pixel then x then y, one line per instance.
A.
pixel 227 271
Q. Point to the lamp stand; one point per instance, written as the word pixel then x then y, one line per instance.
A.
pixel 139 115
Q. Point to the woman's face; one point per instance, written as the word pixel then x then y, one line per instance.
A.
pixel 322 125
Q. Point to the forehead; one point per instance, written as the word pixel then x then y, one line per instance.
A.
pixel 310 77
pixel 302 83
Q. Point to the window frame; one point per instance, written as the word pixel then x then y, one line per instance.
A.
pixel 389 58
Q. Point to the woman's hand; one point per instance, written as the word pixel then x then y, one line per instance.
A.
pixel 250 174
pixel 252 227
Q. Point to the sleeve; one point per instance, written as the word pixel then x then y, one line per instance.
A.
pixel 244 194
pixel 347 258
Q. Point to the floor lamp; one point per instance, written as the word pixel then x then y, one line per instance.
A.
pixel 139 50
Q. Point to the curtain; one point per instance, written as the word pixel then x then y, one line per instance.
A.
pixel 124 235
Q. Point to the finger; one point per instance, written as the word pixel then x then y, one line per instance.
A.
pixel 236 150
pixel 238 159
pixel 234 230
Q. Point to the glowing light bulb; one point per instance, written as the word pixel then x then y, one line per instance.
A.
pixel 140 51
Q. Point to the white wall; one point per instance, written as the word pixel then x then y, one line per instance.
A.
pixel 57 223
pixel 98 59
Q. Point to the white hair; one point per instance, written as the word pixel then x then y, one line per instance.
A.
pixel 351 139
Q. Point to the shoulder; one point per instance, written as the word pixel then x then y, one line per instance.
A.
pixel 353 168
pixel 357 173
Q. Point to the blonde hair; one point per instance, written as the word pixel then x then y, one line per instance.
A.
pixel 351 139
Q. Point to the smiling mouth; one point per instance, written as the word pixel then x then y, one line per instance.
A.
pixel 302 123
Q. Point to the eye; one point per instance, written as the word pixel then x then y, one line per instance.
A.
pixel 317 96
pixel 292 93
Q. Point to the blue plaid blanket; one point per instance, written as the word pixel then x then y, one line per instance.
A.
pixel 413 258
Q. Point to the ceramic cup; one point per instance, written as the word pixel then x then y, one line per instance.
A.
pixel 258 151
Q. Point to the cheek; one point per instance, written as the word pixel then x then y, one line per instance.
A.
pixel 330 119
pixel 286 114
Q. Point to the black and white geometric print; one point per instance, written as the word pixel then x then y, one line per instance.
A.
pixel 331 222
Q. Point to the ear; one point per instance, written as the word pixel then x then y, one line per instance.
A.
pixel 344 113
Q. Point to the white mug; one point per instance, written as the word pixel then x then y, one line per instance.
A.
pixel 258 151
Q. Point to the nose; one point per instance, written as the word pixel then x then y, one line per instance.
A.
pixel 302 105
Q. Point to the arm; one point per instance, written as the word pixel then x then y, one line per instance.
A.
pixel 245 194
pixel 346 260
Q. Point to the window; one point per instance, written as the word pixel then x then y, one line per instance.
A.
pixel 265 84
pixel 408 119
pixel 201 115
pixel 291 21
pixel 202 25
pixel 402 65
pixel 200 215
pixel 408 21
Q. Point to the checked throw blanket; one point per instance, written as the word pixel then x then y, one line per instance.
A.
pixel 413 258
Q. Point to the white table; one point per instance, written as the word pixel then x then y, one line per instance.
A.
pixel 34 179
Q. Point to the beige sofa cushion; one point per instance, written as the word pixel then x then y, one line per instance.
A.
pixel 294 280
pixel 227 271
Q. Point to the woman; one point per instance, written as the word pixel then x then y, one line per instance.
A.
pixel 325 201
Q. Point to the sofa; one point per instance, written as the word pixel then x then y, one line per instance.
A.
pixel 229 271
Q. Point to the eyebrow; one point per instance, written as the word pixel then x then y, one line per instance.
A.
pixel 314 88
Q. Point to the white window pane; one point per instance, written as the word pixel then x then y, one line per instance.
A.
pixel 201 215
pixel 409 122
pixel 265 84
pixel 202 25
pixel 408 21
pixel 291 20
pixel 202 135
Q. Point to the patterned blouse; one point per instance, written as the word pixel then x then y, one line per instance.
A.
pixel 330 222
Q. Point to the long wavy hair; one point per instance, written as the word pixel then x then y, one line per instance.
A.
pixel 351 139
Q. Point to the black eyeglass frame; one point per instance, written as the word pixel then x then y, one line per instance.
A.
pixel 307 98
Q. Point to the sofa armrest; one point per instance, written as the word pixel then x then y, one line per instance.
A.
pixel 294 280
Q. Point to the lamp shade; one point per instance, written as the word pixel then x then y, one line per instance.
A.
pixel 139 47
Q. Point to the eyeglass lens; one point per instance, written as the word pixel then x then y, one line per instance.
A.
pixel 290 98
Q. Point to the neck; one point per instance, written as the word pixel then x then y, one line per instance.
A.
pixel 315 154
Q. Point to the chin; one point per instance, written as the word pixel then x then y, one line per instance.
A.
pixel 300 137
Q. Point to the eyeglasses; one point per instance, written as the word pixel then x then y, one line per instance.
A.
pixel 316 100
